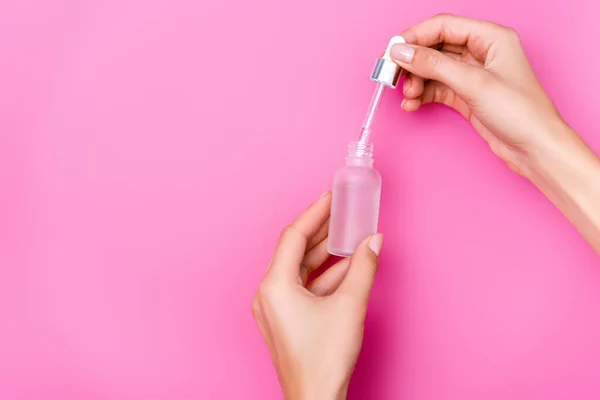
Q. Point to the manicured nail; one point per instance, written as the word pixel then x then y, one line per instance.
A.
pixel 402 52
pixel 376 242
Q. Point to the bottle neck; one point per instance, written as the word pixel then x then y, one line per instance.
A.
pixel 359 162
pixel 360 154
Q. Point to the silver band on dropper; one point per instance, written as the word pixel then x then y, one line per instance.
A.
pixel 386 71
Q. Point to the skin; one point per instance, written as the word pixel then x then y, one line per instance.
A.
pixel 314 332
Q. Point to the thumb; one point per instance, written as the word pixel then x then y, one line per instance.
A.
pixel 363 266
pixel 432 64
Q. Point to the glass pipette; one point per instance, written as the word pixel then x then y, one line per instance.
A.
pixel 386 75
pixel 365 132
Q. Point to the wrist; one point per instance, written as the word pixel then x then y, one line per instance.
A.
pixel 566 170
pixel 319 392
pixel 554 144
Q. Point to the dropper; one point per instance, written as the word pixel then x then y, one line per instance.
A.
pixel 386 75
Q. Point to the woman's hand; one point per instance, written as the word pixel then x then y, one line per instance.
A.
pixel 314 333
pixel 480 69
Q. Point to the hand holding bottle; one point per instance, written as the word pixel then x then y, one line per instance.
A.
pixel 314 332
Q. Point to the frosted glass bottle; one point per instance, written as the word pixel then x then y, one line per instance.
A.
pixel 355 202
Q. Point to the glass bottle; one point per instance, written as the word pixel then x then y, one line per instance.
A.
pixel 355 202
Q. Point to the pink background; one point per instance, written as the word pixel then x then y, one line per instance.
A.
pixel 150 152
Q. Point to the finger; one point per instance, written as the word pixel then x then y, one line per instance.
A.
pixel 477 36
pixel 293 240
pixel 413 86
pixel 410 105
pixel 311 220
pixel 437 92
pixel 461 53
pixel 465 58
pixel 319 236
pixel 331 279
pixel 453 48
pixel 454 56
pixel 313 260
pixel 361 272
pixel 428 63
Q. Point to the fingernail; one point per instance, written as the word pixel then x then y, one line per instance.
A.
pixel 376 242
pixel 324 194
pixel 403 103
pixel 402 52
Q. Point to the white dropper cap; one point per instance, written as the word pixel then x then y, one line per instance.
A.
pixel 386 71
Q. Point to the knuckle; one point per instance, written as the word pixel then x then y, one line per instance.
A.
pixel 371 266
pixel 489 25
pixel 265 292
pixel 444 16
pixel 511 34
pixel 443 95
pixel 255 307
pixel 288 231
pixel 269 293
pixel 430 58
